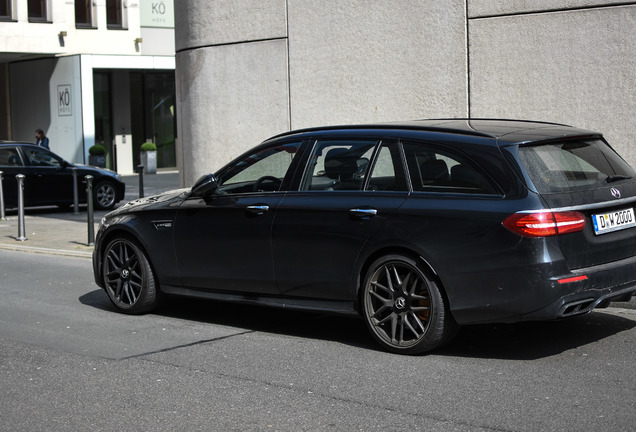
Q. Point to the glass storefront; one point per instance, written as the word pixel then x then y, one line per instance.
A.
pixel 103 114
pixel 152 112
pixel 152 98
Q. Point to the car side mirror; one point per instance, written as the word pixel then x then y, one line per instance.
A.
pixel 206 185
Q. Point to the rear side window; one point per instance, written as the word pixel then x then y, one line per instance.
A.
pixel 338 165
pixel 573 165
pixel 9 157
pixel 434 170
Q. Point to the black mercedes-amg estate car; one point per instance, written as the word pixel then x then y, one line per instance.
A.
pixel 418 226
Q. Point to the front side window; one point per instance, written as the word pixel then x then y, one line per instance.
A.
pixel 338 165
pixel 263 171
pixel 10 157
pixel 37 10
pixel 42 158
pixel 432 169
pixel 573 165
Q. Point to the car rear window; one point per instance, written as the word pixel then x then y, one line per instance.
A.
pixel 573 165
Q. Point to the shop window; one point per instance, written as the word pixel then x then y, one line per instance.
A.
pixel 115 17
pixel 84 14
pixel 38 10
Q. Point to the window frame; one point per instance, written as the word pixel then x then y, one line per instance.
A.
pixel 122 22
pixel 45 16
pixel 9 14
pixel 92 13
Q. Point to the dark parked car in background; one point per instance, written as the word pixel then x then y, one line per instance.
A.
pixel 418 226
pixel 49 178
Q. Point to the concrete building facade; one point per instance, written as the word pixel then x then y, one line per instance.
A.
pixel 248 69
pixel 89 72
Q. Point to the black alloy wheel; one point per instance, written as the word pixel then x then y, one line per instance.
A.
pixel 104 195
pixel 404 308
pixel 128 277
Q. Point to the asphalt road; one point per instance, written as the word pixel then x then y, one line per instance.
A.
pixel 69 362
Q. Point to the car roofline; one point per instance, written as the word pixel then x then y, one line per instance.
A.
pixel 440 125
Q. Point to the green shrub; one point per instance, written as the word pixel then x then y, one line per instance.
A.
pixel 148 146
pixel 97 150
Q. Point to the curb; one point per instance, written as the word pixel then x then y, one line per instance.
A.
pixel 48 251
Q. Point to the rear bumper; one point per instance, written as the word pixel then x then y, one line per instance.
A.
pixel 542 292
pixel 581 303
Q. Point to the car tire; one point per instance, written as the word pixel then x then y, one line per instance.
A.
pixel 404 308
pixel 128 277
pixel 104 195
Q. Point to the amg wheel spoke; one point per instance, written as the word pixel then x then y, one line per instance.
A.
pixel 394 327
pixel 419 324
pixel 382 287
pixel 392 271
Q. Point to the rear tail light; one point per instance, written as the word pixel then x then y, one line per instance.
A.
pixel 544 224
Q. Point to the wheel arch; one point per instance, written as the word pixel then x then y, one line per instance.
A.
pixel 395 250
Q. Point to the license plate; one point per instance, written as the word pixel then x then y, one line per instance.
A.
pixel 613 221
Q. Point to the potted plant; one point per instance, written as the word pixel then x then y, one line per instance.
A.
pixel 97 156
pixel 148 157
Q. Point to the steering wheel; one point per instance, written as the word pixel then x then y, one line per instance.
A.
pixel 272 181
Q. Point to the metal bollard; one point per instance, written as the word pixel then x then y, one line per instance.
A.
pixel 140 170
pixel 75 197
pixel 2 214
pixel 89 201
pixel 21 236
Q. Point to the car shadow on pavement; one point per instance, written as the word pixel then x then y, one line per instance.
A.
pixel 520 341
pixel 304 324
pixel 534 340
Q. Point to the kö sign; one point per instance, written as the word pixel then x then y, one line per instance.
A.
pixel 64 100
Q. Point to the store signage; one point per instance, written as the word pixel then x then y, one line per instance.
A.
pixel 157 13
pixel 64 100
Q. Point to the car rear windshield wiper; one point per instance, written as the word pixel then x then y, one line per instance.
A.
pixel 617 177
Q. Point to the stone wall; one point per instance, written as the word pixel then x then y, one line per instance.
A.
pixel 248 69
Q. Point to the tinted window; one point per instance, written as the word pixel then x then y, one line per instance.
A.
pixel 435 170
pixel 338 165
pixel 260 171
pixel 573 165
pixel 9 157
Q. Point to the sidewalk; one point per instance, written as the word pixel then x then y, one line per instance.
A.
pixel 60 232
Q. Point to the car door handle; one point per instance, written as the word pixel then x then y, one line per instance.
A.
pixel 363 213
pixel 257 209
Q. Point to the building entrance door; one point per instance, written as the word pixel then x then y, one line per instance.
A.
pixel 153 100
